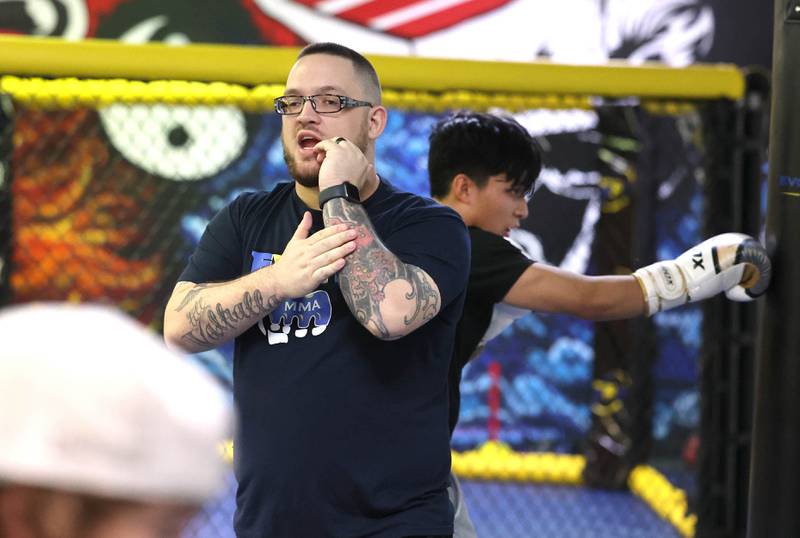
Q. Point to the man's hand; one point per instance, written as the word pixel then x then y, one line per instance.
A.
pixel 341 160
pixel 732 263
pixel 306 261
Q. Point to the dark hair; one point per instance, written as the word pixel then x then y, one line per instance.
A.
pixel 481 145
pixel 362 66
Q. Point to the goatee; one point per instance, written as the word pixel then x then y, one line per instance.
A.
pixel 306 180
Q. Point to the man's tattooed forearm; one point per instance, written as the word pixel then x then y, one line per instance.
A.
pixel 363 285
pixel 425 296
pixel 192 293
pixel 371 267
pixel 211 326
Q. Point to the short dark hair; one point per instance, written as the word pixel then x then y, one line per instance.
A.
pixel 362 66
pixel 481 145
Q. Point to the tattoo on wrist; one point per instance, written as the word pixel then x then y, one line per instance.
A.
pixel 214 325
pixel 371 267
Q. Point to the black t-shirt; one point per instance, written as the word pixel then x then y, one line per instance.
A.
pixel 496 265
pixel 340 433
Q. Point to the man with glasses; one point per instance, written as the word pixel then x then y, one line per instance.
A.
pixel 344 319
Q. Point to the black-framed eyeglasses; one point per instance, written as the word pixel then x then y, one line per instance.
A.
pixel 324 103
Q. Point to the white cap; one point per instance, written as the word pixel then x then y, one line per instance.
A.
pixel 93 402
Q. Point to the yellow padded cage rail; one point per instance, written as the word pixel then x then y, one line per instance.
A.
pixel 100 72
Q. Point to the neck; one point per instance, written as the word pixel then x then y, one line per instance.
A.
pixel 310 195
pixel 457 207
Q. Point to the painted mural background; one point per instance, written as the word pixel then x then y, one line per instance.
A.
pixel 677 32
pixel 108 204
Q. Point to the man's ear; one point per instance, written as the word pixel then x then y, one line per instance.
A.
pixel 462 188
pixel 377 121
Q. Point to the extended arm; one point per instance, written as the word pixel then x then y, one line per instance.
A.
pixel 388 297
pixel 549 289
pixel 203 316
pixel 717 265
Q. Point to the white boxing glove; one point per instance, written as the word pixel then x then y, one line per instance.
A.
pixel 734 263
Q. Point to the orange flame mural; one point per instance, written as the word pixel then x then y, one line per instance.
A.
pixel 80 217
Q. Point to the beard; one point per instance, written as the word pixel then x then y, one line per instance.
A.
pixel 310 177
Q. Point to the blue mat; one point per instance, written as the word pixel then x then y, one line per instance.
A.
pixel 508 510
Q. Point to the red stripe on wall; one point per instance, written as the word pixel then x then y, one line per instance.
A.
pixel 364 13
pixel 98 9
pixel 272 32
pixel 446 18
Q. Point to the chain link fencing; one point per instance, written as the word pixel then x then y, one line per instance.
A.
pixel 107 200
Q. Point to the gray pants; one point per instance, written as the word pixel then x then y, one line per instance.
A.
pixel 462 524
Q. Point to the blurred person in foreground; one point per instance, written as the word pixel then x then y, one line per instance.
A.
pixel 484 167
pixel 342 293
pixel 104 432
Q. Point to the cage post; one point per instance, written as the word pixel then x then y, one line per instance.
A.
pixel 729 329
pixel 6 149
pixel 775 468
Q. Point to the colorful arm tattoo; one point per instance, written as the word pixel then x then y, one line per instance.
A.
pixel 371 267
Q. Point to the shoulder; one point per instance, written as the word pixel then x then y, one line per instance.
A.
pixel 409 206
pixel 252 202
pixel 486 245
pixel 483 239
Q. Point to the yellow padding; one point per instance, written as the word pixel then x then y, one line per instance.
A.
pixel 253 65
pixel 74 93
pixel 69 93
pixel 226 449
pixel 665 499
pixel 498 461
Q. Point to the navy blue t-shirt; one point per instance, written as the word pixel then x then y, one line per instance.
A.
pixel 341 433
